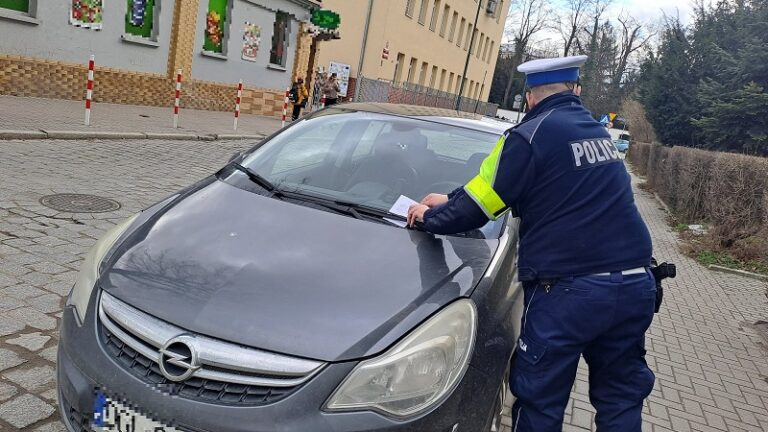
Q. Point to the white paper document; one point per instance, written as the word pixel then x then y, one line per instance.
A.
pixel 400 207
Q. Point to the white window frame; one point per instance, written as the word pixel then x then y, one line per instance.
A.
pixel 29 17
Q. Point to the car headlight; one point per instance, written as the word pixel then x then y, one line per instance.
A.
pixel 89 270
pixel 418 372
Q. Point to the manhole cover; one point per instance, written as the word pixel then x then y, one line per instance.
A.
pixel 79 203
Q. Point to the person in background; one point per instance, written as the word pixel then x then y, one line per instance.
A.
pixel 331 90
pixel 299 95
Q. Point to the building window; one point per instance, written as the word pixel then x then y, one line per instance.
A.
pixel 461 32
pixel 450 83
pixel 473 42
pixel 399 67
pixel 423 11
pixel 469 37
pixel 458 84
pixel 411 69
pixel 409 5
pixel 442 79
pixel 216 24
pixel 141 19
pixel 444 22
pixel 499 8
pixel 435 12
pixel 480 42
pixel 423 73
pixel 433 78
pixel 453 26
pixel 279 53
pixel 490 52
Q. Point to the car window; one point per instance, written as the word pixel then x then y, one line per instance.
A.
pixel 370 159
pixel 624 137
pixel 365 146
pixel 306 149
pixel 448 144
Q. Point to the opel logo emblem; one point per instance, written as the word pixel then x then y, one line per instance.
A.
pixel 178 358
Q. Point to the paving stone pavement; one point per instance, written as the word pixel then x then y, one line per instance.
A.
pixel 711 365
pixel 22 113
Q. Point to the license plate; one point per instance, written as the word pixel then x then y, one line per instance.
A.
pixel 112 416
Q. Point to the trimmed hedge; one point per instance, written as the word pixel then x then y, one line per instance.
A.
pixel 729 192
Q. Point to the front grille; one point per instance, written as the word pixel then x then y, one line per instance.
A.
pixel 225 373
pixel 193 388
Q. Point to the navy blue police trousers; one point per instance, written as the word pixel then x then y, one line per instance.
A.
pixel 603 318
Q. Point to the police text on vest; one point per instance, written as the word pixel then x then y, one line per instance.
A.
pixel 592 152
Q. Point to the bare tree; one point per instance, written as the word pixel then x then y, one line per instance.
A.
pixel 632 38
pixel 526 18
pixel 571 22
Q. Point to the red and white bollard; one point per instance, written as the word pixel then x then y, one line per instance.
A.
pixel 177 100
pixel 322 102
pixel 285 104
pixel 89 90
pixel 237 101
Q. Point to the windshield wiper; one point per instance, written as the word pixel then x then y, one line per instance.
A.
pixel 259 180
pixel 358 211
pixel 371 211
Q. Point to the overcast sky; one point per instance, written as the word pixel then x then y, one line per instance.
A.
pixel 649 12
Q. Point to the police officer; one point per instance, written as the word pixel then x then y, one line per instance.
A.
pixel 583 257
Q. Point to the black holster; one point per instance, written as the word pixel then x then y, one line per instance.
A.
pixel 661 272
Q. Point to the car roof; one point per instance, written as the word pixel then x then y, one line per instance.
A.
pixel 439 115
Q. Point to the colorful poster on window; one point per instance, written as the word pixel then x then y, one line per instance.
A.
pixel 15 5
pixel 139 18
pixel 86 14
pixel 215 20
pixel 251 41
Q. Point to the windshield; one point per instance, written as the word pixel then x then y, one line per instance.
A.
pixel 370 159
pixel 624 137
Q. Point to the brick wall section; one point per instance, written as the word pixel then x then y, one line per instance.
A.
pixel 301 61
pixel 22 76
pixel 183 37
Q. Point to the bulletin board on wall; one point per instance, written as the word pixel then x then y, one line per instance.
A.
pixel 215 22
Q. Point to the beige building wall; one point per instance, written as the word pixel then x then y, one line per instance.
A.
pixel 429 37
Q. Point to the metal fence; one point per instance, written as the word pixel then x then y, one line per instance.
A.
pixel 412 94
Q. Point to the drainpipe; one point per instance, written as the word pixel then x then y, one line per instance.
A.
pixel 362 50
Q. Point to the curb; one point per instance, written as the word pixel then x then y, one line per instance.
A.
pixel 170 136
pixel 65 135
pixel 22 134
pixel 6 135
pixel 744 273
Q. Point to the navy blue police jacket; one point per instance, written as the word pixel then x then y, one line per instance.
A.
pixel 560 173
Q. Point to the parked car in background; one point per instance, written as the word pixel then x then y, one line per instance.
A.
pixel 280 294
pixel 620 139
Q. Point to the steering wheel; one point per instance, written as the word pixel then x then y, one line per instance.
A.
pixel 444 187
pixel 407 176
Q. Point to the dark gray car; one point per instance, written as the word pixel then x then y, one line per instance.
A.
pixel 281 295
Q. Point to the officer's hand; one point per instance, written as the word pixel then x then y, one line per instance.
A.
pixel 416 213
pixel 433 200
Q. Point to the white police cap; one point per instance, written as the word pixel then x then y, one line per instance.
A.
pixel 552 70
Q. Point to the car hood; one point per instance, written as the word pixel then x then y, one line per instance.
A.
pixel 278 276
